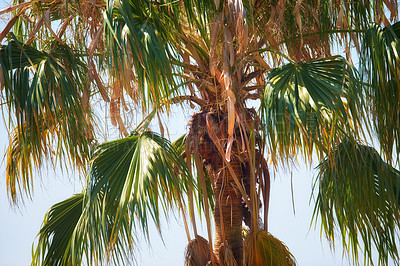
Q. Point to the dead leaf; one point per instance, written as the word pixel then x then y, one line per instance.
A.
pixel 216 2
pixel 297 13
pixel 48 25
pixel 8 27
pixel 99 82
pixel 95 40
pixel 12 8
pixel 64 26
pixel 214 37
pixel 228 43
pixel 38 25
pixel 231 122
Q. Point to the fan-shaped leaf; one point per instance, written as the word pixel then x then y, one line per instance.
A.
pixel 307 105
pixel 359 196
pixel 45 110
pixel 140 174
pixel 59 226
pixel 380 62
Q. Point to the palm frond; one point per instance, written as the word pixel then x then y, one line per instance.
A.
pixel 198 252
pixel 309 106
pixel 42 21
pixel 56 234
pixel 139 51
pixel 180 143
pixel 311 29
pixel 46 110
pixel 138 175
pixel 380 63
pixel 76 231
pixel 359 196
pixel 226 257
pixel 262 248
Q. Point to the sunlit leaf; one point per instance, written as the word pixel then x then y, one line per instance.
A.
pixel 308 106
pixel 141 174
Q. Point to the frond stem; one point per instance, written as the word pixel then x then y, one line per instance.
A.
pixel 194 99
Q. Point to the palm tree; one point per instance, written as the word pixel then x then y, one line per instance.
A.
pixel 216 57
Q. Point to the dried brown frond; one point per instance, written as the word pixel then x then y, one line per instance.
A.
pixel 262 248
pixel 92 14
pixel 198 252
pixel 226 257
pixel 115 106
pixel 8 27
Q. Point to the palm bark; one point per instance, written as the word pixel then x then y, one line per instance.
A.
pixel 228 211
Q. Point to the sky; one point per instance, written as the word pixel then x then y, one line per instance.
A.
pixel 19 226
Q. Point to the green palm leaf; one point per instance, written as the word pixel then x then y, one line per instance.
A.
pixel 59 225
pixel 46 110
pixel 359 196
pixel 308 105
pixel 141 174
pixel 16 55
pixel 380 62
pixel 130 180
pixel 145 40
pixel 137 42
pixel 74 230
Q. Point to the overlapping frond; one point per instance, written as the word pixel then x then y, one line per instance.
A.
pixel 310 29
pixel 380 63
pixel 140 174
pixel 359 196
pixel 309 106
pixel 41 21
pixel 46 110
pixel 130 179
pixel 138 45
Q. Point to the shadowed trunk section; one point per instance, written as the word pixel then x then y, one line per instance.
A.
pixel 228 202
pixel 228 208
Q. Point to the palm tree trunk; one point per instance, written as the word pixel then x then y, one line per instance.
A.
pixel 228 212
pixel 209 128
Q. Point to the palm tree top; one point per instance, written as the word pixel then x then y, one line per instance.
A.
pixel 61 59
